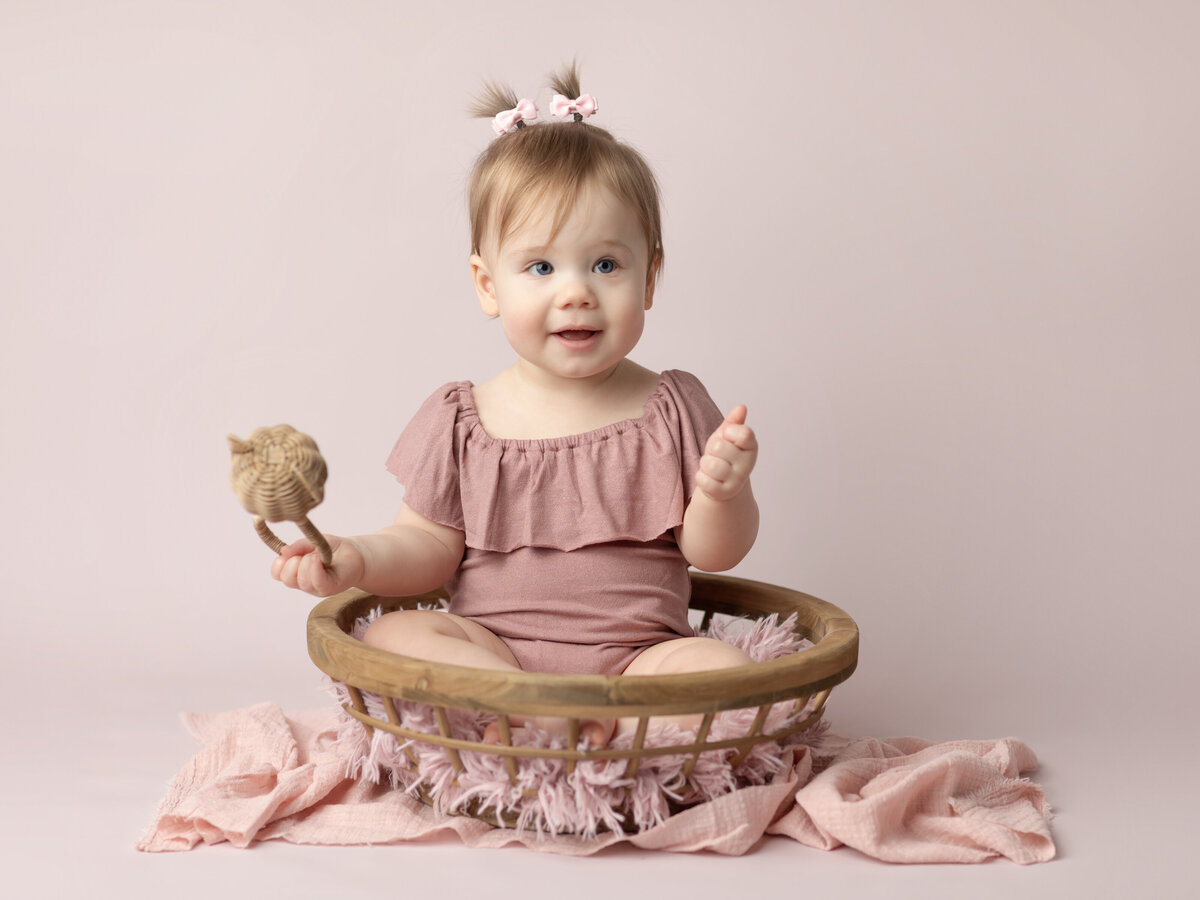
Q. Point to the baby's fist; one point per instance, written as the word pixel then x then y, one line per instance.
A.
pixel 299 566
pixel 729 458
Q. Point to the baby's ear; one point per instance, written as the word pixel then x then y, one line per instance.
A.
pixel 485 288
pixel 652 280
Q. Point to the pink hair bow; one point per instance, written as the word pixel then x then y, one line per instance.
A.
pixel 506 121
pixel 583 106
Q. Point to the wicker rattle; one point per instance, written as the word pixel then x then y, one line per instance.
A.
pixel 279 475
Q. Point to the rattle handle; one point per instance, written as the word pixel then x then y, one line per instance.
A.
pixel 310 531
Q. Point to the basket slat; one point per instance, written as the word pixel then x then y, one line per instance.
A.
pixel 639 742
pixel 572 741
pixel 701 737
pixel 510 762
pixel 393 716
pixel 443 722
pixel 356 698
pixel 751 735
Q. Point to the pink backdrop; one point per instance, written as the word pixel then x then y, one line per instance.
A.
pixel 945 252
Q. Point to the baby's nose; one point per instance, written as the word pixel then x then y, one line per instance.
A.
pixel 576 292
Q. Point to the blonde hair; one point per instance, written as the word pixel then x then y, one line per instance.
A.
pixel 549 165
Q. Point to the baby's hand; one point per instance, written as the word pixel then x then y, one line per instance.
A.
pixel 729 458
pixel 299 566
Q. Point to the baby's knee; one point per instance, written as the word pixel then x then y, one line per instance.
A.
pixel 381 633
pixel 709 653
pixel 698 654
pixel 405 629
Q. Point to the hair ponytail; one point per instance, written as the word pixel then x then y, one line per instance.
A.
pixel 494 99
pixel 565 81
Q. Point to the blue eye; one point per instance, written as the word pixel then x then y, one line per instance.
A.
pixel 605 267
pixel 541 268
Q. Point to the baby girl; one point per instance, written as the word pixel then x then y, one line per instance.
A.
pixel 562 501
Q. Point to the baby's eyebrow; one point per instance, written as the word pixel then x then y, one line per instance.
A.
pixel 615 244
pixel 531 251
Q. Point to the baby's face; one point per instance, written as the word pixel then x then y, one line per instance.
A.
pixel 572 305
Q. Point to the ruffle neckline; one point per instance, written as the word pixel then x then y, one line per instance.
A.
pixel 468 413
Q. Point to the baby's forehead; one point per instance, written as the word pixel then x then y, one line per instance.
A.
pixel 537 222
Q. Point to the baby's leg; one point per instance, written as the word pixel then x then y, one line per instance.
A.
pixel 446 638
pixel 694 654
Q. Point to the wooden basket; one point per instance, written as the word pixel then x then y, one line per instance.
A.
pixel 805 678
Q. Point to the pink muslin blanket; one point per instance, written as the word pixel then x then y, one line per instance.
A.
pixel 264 775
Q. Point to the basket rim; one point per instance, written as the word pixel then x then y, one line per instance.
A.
pixel 831 660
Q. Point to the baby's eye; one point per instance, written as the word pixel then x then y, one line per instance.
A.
pixel 605 267
pixel 541 268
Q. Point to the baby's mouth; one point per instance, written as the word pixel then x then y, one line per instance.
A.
pixel 575 334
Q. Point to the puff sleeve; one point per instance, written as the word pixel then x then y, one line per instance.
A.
pixel 425 458
pixel 694 417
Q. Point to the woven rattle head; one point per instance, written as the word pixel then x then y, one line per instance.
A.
pixel 278 473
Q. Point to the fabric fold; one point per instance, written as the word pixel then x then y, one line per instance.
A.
pixel 909 800
pixel 257 767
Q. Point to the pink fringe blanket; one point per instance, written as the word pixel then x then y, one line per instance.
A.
pixel 264 775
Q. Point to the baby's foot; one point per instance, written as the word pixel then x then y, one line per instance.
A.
pixel 594 734
pixel 491 733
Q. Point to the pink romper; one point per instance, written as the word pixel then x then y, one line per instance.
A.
pixel 570 555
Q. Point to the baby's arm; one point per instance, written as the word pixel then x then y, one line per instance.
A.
pixel 410 556
pixel 721 521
